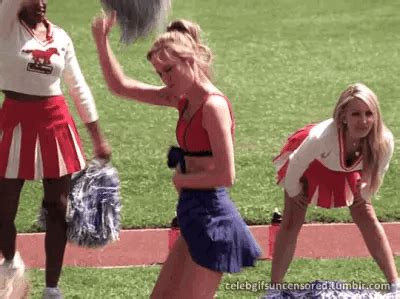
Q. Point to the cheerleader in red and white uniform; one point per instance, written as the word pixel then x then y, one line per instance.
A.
pixel 38 138
pixel 336 163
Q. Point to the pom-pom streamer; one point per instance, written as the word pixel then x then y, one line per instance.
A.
pixel 137 18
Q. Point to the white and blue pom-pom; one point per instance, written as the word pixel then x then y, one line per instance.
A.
pixel 94 206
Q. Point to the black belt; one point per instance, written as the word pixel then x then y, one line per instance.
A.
pixel 198 154
pixel 176 156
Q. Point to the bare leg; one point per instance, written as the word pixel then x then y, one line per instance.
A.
pixel 171 272
pixel 55 201
pixel 286 239
pixel 198 282
pixel 10 190
pixel 375 238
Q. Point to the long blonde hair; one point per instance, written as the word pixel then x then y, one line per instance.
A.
pixel 182 41
pixel 374 145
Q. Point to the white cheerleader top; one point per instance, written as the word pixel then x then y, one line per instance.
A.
pixel 325 144
pixel 31 66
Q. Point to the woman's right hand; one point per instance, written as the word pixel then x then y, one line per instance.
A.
pixel 102 24
pixel 358 199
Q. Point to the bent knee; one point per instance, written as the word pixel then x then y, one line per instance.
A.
pixel 365 218
pixel 291 225
pixel 55 210
pixel 364 211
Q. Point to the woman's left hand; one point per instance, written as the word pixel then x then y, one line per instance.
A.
pixel 102 150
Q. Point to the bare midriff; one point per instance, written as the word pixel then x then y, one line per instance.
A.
pixel 199 164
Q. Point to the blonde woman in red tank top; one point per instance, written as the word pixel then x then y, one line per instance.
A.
pixel 214 238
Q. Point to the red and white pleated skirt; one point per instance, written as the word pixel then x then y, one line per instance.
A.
pixel 326 188
pixel 38 139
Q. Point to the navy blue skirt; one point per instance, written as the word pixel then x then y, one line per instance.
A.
pixel 217 236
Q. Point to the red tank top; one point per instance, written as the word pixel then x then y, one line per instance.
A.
pixel 191 135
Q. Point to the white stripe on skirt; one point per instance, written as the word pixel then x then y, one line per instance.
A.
pixel 61 164
pixel 38 160
pixel 77 149
pixel 314 198
pixel 348 193
pixel 14 152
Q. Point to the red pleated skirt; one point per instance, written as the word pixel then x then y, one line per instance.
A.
pixel 326 188
pixel 38 139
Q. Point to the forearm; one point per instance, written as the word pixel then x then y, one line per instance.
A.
pixel 101 148
pixel 112 70
pixel 95 132
pixel 81 94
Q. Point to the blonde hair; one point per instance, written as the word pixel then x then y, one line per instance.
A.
pixel 374 145
pixel 182 41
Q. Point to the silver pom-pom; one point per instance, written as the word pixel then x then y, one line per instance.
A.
pixel 93 213
pixel 94 206
pixel 137 18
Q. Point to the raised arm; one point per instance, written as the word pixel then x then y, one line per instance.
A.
pixel 217 121
pixel 114 76
pixel 8 15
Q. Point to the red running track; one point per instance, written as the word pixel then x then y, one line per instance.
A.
pixel 151 246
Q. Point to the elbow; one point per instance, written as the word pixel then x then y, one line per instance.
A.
pixel 117 87
pixel 117 84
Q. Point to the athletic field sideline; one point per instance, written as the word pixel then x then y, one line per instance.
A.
pixel 282 64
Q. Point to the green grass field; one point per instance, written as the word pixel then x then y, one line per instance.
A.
pixel 135 283
pixel 282 63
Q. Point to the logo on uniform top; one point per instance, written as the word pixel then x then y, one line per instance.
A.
pixel 325 155
pixel 41 60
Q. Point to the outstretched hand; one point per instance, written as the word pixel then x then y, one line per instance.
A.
pixel 102 24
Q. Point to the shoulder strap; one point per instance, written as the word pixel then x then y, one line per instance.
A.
pixel 229 106
pixel 182 105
